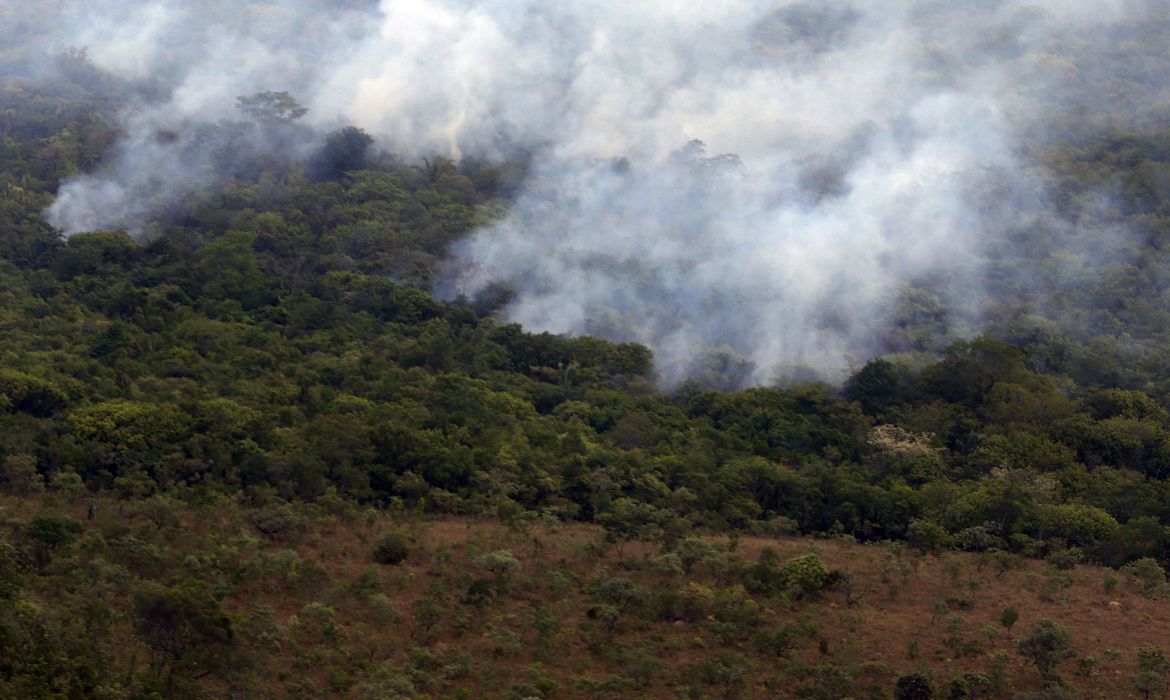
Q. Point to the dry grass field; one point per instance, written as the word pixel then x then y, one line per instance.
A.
pixel 478 609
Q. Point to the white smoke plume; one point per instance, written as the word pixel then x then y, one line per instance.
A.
pixel 759 176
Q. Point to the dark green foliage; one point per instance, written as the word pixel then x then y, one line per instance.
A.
pixel 47 534
pixel 825 683
pixel 344 150
pixel 184 627
pixel 927 536
pixel 1046 645
pixel 276 519
pixel 10 566
pixel 878 387
pixel 45 652
pixel 1152 669
pixel 805 574
pixel 1064 559
pixel 1008 618
pixel 628 520
pixel 392 549
pixel 25 393
pixel 1148 576
pixel 957 690
pixel 914 686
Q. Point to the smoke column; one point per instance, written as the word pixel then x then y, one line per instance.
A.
pixel 747 179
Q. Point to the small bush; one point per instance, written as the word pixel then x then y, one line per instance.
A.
pixel 1065 559
pixel 914 686
pixel 806 573
pixel 276 519
pixel 1148 575
pixel 392 549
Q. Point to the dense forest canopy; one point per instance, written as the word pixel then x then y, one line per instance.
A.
pixel 945 321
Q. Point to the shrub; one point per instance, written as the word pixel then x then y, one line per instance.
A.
pixel 1065 559
pixel 392 549
pixel 696 601
pixel 501 564
pixel 1149 576
pixel 979 685
pixel 276 519
pixel 622 594
pixel 913 686
pixel 958 690
pixel 805 574
pixel 1152 669
pixel 1077 523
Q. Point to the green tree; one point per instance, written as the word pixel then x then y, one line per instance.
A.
pixel 19 475
pixel 1008 618
pixel 878 387
pixel 344 150
pixel 501 564
pixel 927 536
pixel 628 520
pixel 1152 669
pixel 270 107
pixel 805 574
pixel 1046 646
pixel 50 533
pixel 185 629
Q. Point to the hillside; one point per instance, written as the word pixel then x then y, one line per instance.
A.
pixel 549 610
pixel 262 435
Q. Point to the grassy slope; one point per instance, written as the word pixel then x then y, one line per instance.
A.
pixel 330 633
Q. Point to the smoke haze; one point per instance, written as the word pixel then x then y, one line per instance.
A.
pixel 746 182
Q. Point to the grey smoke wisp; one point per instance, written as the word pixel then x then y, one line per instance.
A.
pixel 761 179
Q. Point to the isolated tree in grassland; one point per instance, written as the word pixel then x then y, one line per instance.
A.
pixel 501 564
pixel 804 574
pixel 1046 646
pixel 393 548
pixel 1009 617
pixel 426 613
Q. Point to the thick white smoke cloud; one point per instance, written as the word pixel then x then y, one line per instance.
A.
pixel 843 143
